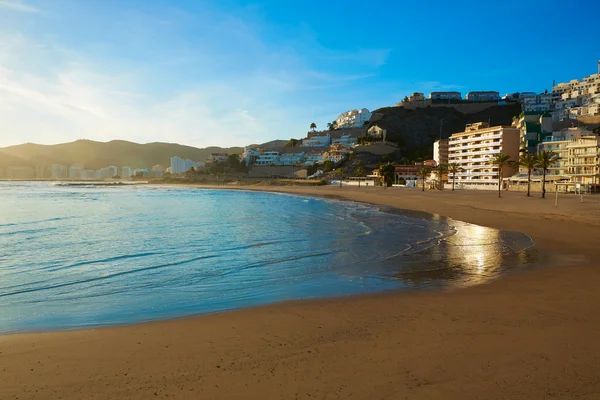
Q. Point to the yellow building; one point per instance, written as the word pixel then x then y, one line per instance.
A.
pixel 475 148
pixel 583 160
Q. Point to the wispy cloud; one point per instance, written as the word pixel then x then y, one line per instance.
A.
pixel 147 80
pixel 16 5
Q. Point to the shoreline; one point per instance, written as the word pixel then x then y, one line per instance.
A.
pixel 523 335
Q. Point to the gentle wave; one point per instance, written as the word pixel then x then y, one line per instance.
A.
pixel 141 253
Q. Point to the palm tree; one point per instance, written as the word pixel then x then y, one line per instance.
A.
pixel 501 160
pixel 360 172
pixel 441 170
pixel 313 126
pixel 529 161
pixel 423 172
pixel 454 169
pixel 546 159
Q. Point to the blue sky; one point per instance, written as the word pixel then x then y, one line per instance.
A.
pixel 227 72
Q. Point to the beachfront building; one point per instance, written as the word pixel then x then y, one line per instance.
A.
pixel 353 118
pixel 483 96
pixel 440 151
pixel 59 171
pixel 583 161
pixel 577 98
pixel 445 96
pixel 249 155
pixel 475 148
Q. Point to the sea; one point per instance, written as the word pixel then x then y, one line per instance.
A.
pixel 80 256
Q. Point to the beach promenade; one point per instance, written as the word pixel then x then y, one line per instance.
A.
pixel 529 335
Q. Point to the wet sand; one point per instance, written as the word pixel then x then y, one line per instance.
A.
pixel 530 335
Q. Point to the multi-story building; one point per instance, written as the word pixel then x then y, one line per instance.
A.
pixel 440 151
pixel 583 160
pixel 416 97
pixel 336 153
pixel 534 127
pixel 126 172
pixel 353 118
pixel 577 98
pixel 483 96
pixel 40 172
pixel 179 165
pixel 346 140
pixel 88 174
pixel 475 148
pixel 445 96
pixel 539 103
pixel 59 171
pixel 75 171
pixel 317 139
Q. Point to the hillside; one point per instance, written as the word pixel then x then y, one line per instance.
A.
pixel 416 130
pixel 95 155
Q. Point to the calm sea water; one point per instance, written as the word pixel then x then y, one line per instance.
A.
pixel 80 256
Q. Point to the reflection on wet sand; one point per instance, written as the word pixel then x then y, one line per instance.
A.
pixel 474 255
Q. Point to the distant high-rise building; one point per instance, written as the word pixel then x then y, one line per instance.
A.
pixel 59 171
pixel 75 171
pixel 440 151
pixel 126 172
pixel 40 172
pixel 179 165
pixel 88 174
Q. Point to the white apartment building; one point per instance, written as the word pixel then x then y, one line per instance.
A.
pixel 474 149
pixel 179 165
pixel 577 98
pixel 88 174
pixel 583 160
pixel 353 118
pixel 483 96
pixel 537 102
pixel 59 171
pixel 445 96
pixel 126 172
pixel 75 172
pixel 440 151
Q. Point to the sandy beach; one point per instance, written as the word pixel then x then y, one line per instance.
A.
pixel 529 335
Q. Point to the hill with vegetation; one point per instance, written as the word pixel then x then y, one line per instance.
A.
pixel 415 130
pixel 95 155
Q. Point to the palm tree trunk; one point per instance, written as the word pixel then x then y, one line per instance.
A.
pixel 528 182
pixel 453 179
pixel 499 182
pixel 544 184
pixel 423 183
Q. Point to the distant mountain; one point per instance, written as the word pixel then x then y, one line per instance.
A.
pixel 95 155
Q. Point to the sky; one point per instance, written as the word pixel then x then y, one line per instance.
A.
pixel 231 73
